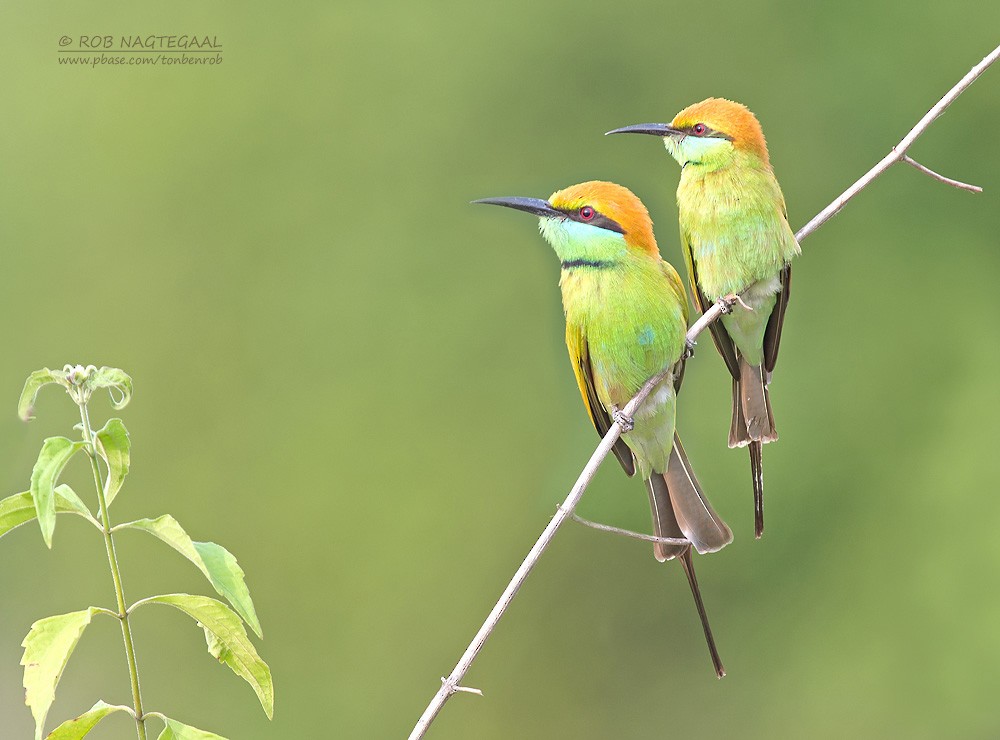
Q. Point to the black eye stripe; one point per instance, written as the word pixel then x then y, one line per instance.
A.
pixel 598 219
pixel 708 133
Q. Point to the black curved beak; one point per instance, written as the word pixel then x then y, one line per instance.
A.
pixel 653 129
pixel 528 205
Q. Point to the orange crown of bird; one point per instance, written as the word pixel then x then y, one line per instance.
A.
pixel 733 119
pixel 615 202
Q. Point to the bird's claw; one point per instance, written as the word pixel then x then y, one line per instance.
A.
pixel 627 423
pixel 726 303
pixel 689 345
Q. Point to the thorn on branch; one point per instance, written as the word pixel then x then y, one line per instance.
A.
pixel 630 533
pixel 941 178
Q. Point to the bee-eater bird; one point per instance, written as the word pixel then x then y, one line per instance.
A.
pixel 736 239
pixel 626 318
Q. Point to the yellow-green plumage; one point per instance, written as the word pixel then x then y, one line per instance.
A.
pixel 626 319
pixel 734 221
pixel 633 319
pixel 736 240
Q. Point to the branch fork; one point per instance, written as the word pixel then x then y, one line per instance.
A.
pixel 452 688
pixel 940 178
pixel 629 533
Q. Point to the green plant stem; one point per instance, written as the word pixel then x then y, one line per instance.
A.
pixel 109 543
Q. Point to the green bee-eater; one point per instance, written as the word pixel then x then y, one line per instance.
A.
pixel 736 239
pixel 626 318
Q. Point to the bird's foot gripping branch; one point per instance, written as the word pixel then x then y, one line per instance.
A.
pixel 726 304
pixel 51 640
pixel 627 423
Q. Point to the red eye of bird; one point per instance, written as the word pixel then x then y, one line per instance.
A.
pixel 699 129
pixel 587 213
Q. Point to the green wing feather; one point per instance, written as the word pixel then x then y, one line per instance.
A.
pixel 722 341
pixel 772 334
pixel 677 288
pixel 579 354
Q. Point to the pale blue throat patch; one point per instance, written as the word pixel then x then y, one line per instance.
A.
pixel 573 240
pixel 696 148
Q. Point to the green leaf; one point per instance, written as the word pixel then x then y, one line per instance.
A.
pixel 74 729
pixel 174 730
pixel 20 508
pixel 113 446
pixel 56 452
pixel 229 642
pixel 35 381
pixel 114 380
pixel 46 651
pixel 216 562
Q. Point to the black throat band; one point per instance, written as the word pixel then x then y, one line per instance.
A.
pixel 594 264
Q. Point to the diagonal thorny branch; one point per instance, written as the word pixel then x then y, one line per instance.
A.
pixel 451 684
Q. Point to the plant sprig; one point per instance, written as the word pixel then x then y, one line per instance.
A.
pixel 51 641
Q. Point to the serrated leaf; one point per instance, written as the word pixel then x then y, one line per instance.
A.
pixel 174 730
pixel 55 453
pixel 79 727
pixel 34 383
pixel 113 446
pixel 20 508
pixel 116 381
pixel 216 562
pixel 231 645
pixel 47 648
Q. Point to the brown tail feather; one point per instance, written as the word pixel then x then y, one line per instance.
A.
pixel 687 562
pixel 664 521
pixel 665 525
pixel 752 427
pixel 695 516
pixel 738 436
pixel 757 473
pixel 756 406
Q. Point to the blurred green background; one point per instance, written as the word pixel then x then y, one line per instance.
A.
pixel 356 382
